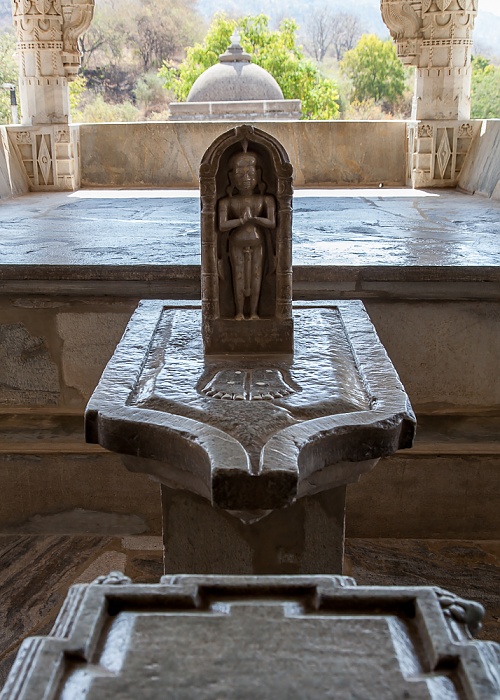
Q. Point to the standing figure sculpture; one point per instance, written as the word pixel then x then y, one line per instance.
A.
pixel 243 220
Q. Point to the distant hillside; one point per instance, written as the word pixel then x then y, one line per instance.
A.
pixel 367 10
pixel 487 35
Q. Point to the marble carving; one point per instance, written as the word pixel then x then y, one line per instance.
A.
pixel 249 414
pixel 214 637
pixel 435 36
pixel 49 58
pixel 246 226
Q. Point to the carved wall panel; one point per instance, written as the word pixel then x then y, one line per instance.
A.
pixel 437 151
pixel 49 156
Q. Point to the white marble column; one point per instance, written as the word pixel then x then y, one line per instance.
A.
pixel 47 36
pixel 435 36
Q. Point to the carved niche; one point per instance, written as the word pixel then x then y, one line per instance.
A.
pixel 246 231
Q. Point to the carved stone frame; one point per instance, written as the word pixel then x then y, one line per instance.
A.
pixel 225 335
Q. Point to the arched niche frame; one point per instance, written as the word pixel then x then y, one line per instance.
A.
pixel 273 331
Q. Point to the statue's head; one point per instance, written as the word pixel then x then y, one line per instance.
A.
pixel 245 175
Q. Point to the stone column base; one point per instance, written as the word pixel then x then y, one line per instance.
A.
pixel 49 155
pixel 305 538
pixel 437 151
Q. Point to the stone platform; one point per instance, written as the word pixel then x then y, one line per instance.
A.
pixel 248 636
pixel 355 228
pixel 426 266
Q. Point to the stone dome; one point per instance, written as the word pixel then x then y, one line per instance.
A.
pixel 234 79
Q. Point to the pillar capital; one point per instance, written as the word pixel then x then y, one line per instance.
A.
pixel 47 36
pixel 435 36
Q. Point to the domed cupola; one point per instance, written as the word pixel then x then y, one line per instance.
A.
pixel 234 78
pixel 235 89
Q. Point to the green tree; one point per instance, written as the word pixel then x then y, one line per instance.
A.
pixel 97 110
pixel 375 71
pixel 76 90
pixel 8 73
pixel 485 91
pixel 275 51
pixel 150 94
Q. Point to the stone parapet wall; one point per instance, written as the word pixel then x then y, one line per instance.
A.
pixel 13 180
pixel 481 171
pixel 168 154
pixel 244 110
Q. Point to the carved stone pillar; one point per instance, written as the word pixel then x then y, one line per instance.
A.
pixel 435 36
pixel 47 36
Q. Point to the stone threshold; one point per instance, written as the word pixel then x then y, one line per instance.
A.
pixel 49 431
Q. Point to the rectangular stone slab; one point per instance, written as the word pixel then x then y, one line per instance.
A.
pixel 257 637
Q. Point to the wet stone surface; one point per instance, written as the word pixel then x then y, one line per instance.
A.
pixel 331 227
pixel 257 396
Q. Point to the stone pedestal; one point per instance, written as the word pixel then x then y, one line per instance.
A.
pixel 254 452
pixel 49 155
pixel 306 537
pixel 287 637
pixel 258 415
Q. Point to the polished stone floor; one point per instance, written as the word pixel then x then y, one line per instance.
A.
pixel 389 227
pixel 36 571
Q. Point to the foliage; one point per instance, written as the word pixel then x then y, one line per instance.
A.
pixel 485 93
pixel 275 51
pixel 138 33
pixel 105 41
pixel 128 38
pixel 97 110
pixel 163 29
pixel 375 71
pixel 150 94
pixel 114 83
pixel 8 74
pixel 365 110
pixel 76 91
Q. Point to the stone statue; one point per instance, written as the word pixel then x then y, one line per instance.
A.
pixel 246 252
pixel 243 221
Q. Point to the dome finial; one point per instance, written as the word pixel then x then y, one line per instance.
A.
pixel 235 53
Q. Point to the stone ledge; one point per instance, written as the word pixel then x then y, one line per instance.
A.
pixel 38 431
pixel 182 282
